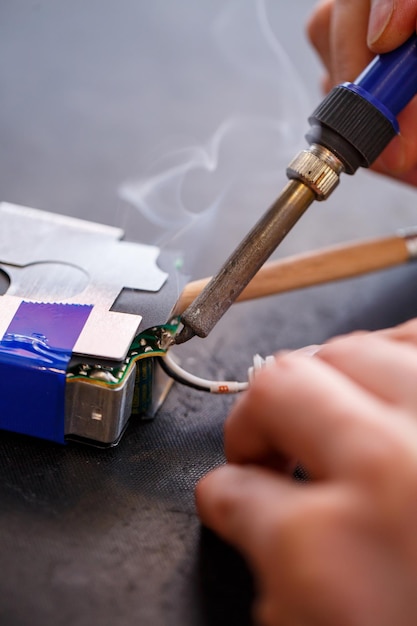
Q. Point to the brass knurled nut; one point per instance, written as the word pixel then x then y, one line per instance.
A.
pixel 313 172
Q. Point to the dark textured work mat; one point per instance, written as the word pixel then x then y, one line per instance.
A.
pixel 111 536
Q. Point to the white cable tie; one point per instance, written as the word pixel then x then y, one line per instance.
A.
pixel 259 363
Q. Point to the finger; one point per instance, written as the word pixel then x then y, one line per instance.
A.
pixel 400 156
pixel 265 515
pixel 391 24
pixel 229 499
pixel 304 408
pixel 379 364
pixel 350 52
pixel 406 332
pixel 240 504
pixel 410 177
pixel 304 543
pixel 247 507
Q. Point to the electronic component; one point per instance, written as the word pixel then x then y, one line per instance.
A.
pixel 72 366
pixel 101 398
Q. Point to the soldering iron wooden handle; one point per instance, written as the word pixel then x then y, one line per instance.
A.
pixel 314 268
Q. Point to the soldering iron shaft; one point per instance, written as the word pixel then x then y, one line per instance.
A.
pixel 223 289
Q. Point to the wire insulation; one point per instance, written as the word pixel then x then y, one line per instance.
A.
pixel 173 369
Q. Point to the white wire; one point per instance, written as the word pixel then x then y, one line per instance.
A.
pixel 217 386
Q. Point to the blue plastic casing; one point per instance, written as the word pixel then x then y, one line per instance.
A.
pixel 390 80
pixel 356 121
pixel 34 355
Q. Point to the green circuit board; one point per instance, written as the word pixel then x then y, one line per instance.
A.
pixel 152 342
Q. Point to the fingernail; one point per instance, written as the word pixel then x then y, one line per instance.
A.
pixel 379 18
pixel 308 350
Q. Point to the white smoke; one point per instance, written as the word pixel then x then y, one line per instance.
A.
pixel 191 194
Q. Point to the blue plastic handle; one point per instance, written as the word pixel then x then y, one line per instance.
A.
pixel 390 80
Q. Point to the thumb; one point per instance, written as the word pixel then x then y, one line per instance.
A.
pixel 390 23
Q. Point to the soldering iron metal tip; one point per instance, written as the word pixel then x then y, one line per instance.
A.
pixel 185 334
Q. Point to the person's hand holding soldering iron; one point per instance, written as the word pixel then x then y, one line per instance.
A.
pixel 340 550
pixel 347 35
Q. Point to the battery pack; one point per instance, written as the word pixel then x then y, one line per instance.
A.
pixel 72 366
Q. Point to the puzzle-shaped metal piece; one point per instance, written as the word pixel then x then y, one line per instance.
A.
pixel 55 258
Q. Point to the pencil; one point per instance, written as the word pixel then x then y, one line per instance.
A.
pixel 320 266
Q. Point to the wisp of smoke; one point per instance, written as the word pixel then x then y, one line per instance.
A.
pixel 202 198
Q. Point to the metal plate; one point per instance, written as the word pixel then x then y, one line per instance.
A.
pixel 55 258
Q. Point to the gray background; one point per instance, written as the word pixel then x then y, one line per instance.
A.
pixel 96 93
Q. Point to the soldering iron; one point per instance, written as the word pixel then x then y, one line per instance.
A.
pixel 349 129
